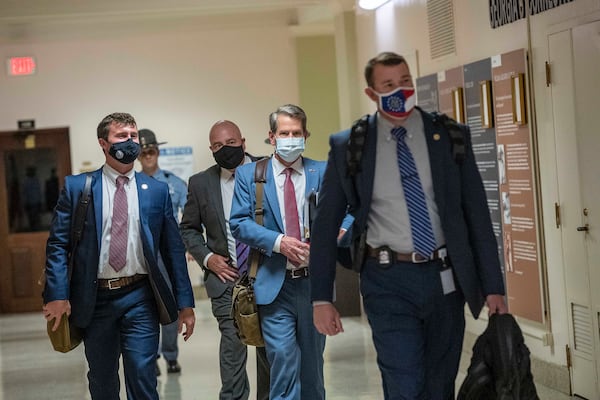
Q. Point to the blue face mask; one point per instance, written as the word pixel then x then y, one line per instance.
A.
pixel 125 152
pixel 289 149
pixel 398 103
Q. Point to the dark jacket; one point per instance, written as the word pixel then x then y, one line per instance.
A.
pixel 500 366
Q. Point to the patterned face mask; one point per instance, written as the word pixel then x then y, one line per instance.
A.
pixel 398 103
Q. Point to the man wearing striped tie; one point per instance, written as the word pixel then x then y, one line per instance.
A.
pixel 205 230
pixel 423 229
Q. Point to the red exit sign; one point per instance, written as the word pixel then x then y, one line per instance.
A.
pixel 19 66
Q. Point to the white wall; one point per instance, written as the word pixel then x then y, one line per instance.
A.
pixel 176 79
pixel 407 32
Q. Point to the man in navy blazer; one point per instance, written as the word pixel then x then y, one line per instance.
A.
pixel 414 302
pixel 294 347
pixel 119 291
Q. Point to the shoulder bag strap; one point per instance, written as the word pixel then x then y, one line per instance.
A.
pixel 260 177
pixel 79 220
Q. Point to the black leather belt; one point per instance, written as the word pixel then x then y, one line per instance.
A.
pixel 385 255
pixel 118 283
pixel 301 272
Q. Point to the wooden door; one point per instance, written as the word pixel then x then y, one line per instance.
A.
pixel 33 165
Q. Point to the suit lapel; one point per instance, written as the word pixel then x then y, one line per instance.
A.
pixel 216 197
pixel 436 147
pixel 313 177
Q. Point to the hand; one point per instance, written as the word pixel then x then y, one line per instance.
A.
pixel 496 304
pixel 54 311
pixel 295 250
pixel 341 234
pixel 327 319
pixel 187 318
pixel 222 268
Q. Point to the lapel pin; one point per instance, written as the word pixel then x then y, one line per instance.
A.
pixel 144 186
pixel 436 136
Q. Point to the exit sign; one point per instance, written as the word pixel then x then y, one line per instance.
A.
pixel 20 66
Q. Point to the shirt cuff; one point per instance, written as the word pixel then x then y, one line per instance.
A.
pixel 320 302
pixel 277 245
pixel 205 261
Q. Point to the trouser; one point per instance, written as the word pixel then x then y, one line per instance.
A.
pixel 417 330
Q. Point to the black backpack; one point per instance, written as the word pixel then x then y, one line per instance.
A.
pixel 500 365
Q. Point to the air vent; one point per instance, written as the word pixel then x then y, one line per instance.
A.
pixel 440 17
pixel 582 330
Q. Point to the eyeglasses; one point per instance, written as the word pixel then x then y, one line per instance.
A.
pixel 149 152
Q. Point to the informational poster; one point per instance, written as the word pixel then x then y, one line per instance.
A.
pixel 450 89
pixel 516 186
pixel 427 93
pixel 178 160
pixel 479 117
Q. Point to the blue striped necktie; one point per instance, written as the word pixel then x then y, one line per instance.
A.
pixel 420 223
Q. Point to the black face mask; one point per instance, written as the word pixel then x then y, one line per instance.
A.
pixel 229 157
pixel 125 152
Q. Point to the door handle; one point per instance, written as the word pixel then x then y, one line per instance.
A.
pixel 584 228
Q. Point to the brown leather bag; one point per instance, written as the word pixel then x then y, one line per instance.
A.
pixel 244 310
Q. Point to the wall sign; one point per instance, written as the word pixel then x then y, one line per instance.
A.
pixel 504 12
pixel 21 66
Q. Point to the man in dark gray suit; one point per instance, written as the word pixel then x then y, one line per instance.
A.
pixel 205 230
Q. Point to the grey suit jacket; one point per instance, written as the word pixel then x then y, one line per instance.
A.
pixel 203 215
pixel 203 223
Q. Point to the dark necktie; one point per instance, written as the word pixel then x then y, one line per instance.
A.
pixel 117 255
pixel 292 223
pixel 242 250
pixel 420 223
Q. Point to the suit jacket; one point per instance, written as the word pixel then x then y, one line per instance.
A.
pixel 160 238
pixel 459 196
pixel 271 270
pixel 203 226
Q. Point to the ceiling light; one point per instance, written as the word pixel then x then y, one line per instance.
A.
pixel 371 4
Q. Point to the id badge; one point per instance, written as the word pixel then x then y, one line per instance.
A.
pixel 447 280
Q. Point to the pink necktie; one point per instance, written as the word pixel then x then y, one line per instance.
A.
pixel 117 255
pixel 292 223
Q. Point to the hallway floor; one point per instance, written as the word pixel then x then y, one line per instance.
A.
pixel 31 370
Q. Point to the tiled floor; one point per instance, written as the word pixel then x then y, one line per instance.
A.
pixel 31 370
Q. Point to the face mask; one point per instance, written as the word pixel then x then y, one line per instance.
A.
pixel 398 103
pixel 289 149
pixel 125 152
pixel 229 157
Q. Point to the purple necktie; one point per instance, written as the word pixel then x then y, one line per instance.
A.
pixel 242 250
pixel 117 255
pixel 292 223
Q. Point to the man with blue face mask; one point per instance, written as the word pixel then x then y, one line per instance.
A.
pixel 118 291
pixel 423 229
pixel 282 288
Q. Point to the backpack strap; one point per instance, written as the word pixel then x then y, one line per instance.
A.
pixel 260 178
pixel 356 144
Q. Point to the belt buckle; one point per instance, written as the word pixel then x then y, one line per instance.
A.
pixel 298 273
pixel 416 260
pixel 110 282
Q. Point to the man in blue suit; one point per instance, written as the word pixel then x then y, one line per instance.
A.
pixel 119 291
pixel 422 237
pixel 294 347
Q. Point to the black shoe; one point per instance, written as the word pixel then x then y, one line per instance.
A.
pixel 157 369
pixel 173 366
